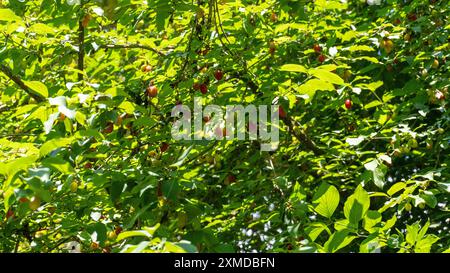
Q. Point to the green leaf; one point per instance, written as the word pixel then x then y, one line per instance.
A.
pixel 371 219
pixel 389 223
pixel 315 229
pixel 366 58
pixel 14 166
pixel 145 232
pixel 429 198
pixel 58 164
pixel 371 165
pixel 53 144
pixel 425 244
pixel 181 159
pixel 40 28
pixel 372 104
pixel 38 87
pixel 371 86
pixel 310 87
pixel 294 68
pixel 326 76
pixel 180 247
pixel 355 141
pixel 360 48
pixel 371 244
pixel 378 176
pixel 396 187
pixel 338 240
pixel 326 200
pixel 127 106
pixel 412 232
pixel 357 205
pixel 8 15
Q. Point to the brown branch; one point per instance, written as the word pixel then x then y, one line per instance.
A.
pixel 131 46
pixel 7 71
pixel 80 49
pixel 302 137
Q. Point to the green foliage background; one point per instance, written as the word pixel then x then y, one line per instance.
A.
pixel 367 179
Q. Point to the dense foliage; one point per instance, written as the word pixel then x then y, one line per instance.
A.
pixel 87 157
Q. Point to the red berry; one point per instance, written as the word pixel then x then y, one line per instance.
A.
pixel 164 147
pixel 109 128
pixel 203 88
pixel 412 17
pixel 9 214
pixel 88 165
pixel 218 74
pixel 321 58
pixel 317 48
pixel 152 91
pixel 231 178
pixel 281 112
pixel 23 200
pixel 348 104
pixel 118 230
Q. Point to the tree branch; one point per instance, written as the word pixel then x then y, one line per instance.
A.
pixel 80 49
pixel 302 137
pixel 131 46
pixel 7 71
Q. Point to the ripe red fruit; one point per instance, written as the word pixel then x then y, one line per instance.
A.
pixel 321 58
pixel 152 91
pixel 164 147
pixel 317 48
pixel 218 74
pixel 230 179
pixel 412 17
pixel 88 165
pixel 9 214
pixel 281 112
pixel 203 88
pixel 348 104
pixel 118 230
pixel 23 200
pixel 109 128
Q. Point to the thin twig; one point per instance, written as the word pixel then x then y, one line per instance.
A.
pixel 20 83
pixel 131 46
pixel 303 137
